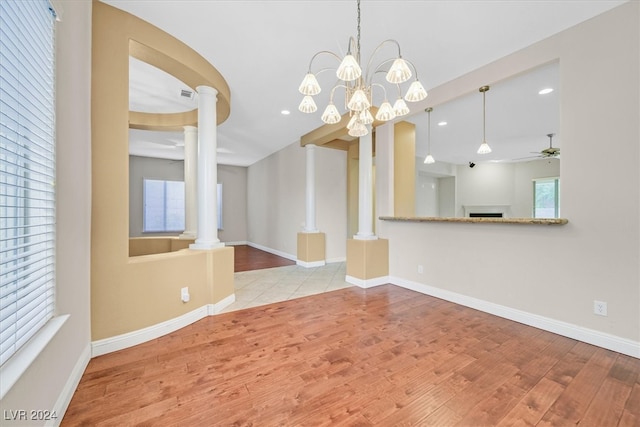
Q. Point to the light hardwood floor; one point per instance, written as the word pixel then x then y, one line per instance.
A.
pixel 382 356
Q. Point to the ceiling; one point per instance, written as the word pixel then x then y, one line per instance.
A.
pixel 263 48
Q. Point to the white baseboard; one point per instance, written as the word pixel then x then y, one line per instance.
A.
pixel 311 264
pixel 221 305
pixel 367 283
pixel 140 336
pixel 239 243
pixel 119 342
pixel 62 403
pixel 273 251
pixel 333 260
pixel 601 339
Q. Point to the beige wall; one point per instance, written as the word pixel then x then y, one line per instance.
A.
pixel 556 272
pixel 128 294
pixel 51 378
pixel 276 200
pixel 404 137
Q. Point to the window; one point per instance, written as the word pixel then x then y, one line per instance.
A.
pixel 27 172
pixel 163 206
pixel 546 198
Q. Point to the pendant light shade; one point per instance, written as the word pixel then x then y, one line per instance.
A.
pixel 415 92
pixel 429 159
pixel 484 147
pixel 359 101
pixel 331 115
pixel 400 107
pixel 349 69
pixel 385 112
pixel 399 72
pixel 358 130
pixel 309 85
pixel 307 105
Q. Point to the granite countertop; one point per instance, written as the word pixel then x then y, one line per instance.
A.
pixel 542 221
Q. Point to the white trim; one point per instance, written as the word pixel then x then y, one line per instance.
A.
pixel 601 339
pixel 119 342
pixel 310 264
pixel 20 361
pixel 70 386
pixel 238 243
pixel 339 259
pixel 221 305
pixel 367 283
pixel 272 251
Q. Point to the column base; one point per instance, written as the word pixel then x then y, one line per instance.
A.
pixel 205 246
pixel 367 262
pixel 311 249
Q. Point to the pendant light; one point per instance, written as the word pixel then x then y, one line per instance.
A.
pixel 429 159
pixel 484 147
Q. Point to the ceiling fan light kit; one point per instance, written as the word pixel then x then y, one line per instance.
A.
pixel 359 87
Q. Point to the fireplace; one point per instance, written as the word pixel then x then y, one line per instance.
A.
pixel 485 215
pixel 486 211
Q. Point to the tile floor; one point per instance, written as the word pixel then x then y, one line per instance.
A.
pixel 266 286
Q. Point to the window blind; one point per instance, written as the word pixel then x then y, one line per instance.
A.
pixel 27 171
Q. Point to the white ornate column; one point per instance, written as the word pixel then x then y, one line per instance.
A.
pixel 190 182
pixel 207 171
pixel 310 223
pixel 365 188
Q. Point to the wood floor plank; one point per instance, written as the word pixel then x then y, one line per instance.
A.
pixel 380 356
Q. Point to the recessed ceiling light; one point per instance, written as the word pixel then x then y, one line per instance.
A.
pixel 442 123
pixel 285 112
pixel 545 91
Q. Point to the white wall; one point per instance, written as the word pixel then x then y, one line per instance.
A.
pixel 49 382
pixel 276 200
pixel 556 272
pixel 234 203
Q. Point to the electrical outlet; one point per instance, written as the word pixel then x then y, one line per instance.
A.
pixel 600 308
pixel 420 269
pixel 184 294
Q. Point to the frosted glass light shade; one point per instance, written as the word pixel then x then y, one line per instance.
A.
pixel 308 105
pixel 385 112
pixel 358 101
pixel 353 121
pixel 358 130
pixel 484 148
pixel 331 115
pixel 416 92
pixel 349 69
pixel 400 107
pixel 429 159
pixel 399 72
pixel 309 85
pixel 366 117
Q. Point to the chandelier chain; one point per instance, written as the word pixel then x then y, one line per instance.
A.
pixel 358 33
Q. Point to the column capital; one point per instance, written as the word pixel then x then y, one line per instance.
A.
pixel 206 90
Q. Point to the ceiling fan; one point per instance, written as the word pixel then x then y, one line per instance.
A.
pixel 551 152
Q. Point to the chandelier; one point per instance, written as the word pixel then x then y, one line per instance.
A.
pixel 359 88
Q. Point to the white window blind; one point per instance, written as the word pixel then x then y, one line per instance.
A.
pixel 27 161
